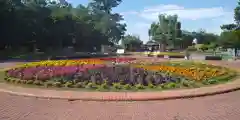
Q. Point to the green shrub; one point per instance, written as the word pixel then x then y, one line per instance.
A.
pixel 161 86
pixel 139 86
pixel 80 85
pixel 191 48
pixel 29 82
pixel 127 87
pixel 151 85
pixel 91 85
pixel 205 82
pixel 103 86
pixel 85 82
pixel 37 82
pixel 186 83
pixel 68 84
pixel 57 84
pixel 12 80
pixel 7 79
pixel 117 86
pixel 226 77
pixel 17 81
pixel 203 47
pixel 48 84
pixel 170 85
pixel 23 81
pixel 212 81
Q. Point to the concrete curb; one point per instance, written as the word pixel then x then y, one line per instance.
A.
pixel 121 96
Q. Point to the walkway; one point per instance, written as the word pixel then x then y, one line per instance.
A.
pixel 218 107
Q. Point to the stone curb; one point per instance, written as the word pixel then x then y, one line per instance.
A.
pixel 122 96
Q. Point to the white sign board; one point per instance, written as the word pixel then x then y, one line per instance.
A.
pixel 120 51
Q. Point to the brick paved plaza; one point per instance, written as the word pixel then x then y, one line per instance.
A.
pixel 219 107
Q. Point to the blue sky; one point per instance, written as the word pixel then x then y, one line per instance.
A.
pixel 193 14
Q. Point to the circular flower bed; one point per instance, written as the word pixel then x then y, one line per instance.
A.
pixel 96 74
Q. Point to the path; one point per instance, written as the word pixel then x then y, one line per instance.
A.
pixel 219 107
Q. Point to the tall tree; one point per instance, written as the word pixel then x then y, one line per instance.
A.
pixel 131 42
pixel 166 31
pixel 109 22
pixel 43 24
pixel 230 37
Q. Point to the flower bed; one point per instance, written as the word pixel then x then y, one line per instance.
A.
pixel 94 74
pixel 193 71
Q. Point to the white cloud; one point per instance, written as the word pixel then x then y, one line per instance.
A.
pixel 142 25
pixel 216 15
pixel 151 13
pixel 162 8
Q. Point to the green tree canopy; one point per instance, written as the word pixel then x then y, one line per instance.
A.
pixel 43 24
pixel 230 37
pixel 166 31
pixel 131 42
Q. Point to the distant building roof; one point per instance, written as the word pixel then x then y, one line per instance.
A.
pixel 152 43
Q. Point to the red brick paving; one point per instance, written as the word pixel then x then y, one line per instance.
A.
pixel 219 107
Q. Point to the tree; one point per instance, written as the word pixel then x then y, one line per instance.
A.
pixel 42 24
pixel 109 24
pixel 131 42
pixel 230 37
pixel 186 39
pixel 166 31
pixel 228 27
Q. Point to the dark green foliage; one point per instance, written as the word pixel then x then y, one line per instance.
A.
pixel 117 86
pixel 49 27
pixel 131 42
pixel 91 85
